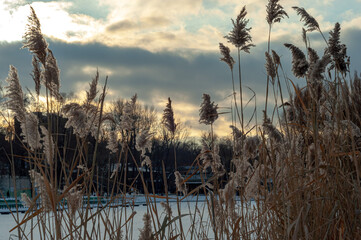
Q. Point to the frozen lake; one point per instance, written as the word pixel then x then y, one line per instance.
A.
pixel 187 207
pixel 7 221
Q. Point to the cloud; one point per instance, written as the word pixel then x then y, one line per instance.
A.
pixel 122 25
pixel 156 26
pixel 159 55
pixel 56 21
pixel 139 8
pixel 144 23
pixel 154 76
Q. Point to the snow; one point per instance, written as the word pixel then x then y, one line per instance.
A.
pixel 187 206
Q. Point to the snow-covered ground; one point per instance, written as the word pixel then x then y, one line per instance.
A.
pixel 188 206
pixel 7 222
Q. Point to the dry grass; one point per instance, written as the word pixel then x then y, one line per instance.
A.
pixel 303 175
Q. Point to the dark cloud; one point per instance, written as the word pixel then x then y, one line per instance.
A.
pixel 155 21
pixel 156 37
pixel 166 35
pixel 352 38
pixel 155 76
pixel 143 23
pixel 11 54
pixel 123 25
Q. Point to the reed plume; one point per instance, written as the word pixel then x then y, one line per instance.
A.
pixel 77 118
pixel 146 162
pixel 179 182
pixel 146 231
pixel 226 53
pixel 334 41
pixel 167 209
pixel 25 200
pixel 239 36
pixel 276 58
pixel 304 36
pixel 52 76
pixel 251 145
pixel 227 195
pixel 275 12
pixel 127 118
pixel 309 21
pixel 30 131
pixel 48 145
pixel 144 142
pixel 299 62
pixel 227 58
pixel 239 138
pixel 270 67
pixel 210 158
pixel 312 56
pixel 36 43
pixel 36 75
pixel 33 38
pixel 312 60
pixel 38 181
pixel 208 112
pixel 319 67
pixel 252 190
pixel 15 96
pixel 112 143
pixel 271 130
pixel 337 50
pixel 74 198
pixel 168 118
pixel 91 94
pixel 237 134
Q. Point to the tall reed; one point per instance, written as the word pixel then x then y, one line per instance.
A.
pixel 300 180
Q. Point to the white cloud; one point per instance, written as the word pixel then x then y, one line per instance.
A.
pixel 352 24
pixel 157 25
pixel 12 23
pixel 91 70
pixel 139 8
pixel 55 21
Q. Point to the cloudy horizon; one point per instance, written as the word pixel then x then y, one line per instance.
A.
pixel 160 50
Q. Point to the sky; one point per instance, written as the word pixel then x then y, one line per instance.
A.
pixel 166 48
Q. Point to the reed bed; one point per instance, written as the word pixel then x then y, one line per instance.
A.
pixel 294 176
